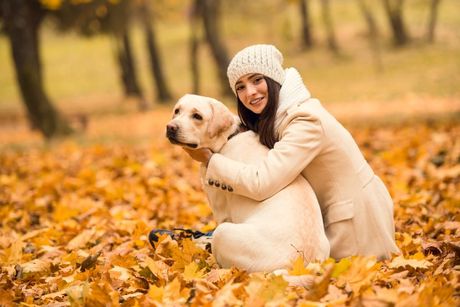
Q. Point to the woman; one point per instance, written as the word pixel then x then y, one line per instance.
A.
pixel 304 139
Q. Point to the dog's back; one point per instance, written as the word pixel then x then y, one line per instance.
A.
pixel 294 210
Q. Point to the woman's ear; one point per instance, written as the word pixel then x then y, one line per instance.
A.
pixel 221 119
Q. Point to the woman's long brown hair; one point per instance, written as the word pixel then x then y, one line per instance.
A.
pixel 263 123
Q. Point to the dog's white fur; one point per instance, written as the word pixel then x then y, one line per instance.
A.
pixel 251 235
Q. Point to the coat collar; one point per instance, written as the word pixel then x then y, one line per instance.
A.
pixel 293 91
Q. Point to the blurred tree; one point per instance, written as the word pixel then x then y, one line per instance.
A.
pixel 163 93
pixel 194 41
pixel 210 14
pixel 394 11
pixel 329 25
pixel 373 33
pixel 430 33
pixel 205 14
pixel 307 36
pixel 113 18
pixel 128 71
pixel 21 21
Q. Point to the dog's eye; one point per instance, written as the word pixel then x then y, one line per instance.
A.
pixel 197 116
pixel 176 111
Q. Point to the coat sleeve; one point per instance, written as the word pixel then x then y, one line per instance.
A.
pixel 300 143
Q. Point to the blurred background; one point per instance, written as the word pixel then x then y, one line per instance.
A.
pixel 78 66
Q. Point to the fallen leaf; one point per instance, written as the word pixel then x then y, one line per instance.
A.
pixel 298 267
pixel 81 239
pixel 34 269
pixel 403 263
pixel 192 272
pixel 89 262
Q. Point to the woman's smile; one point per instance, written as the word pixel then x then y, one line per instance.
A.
pixel 257 102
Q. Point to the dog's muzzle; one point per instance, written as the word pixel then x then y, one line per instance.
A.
pixel 172 132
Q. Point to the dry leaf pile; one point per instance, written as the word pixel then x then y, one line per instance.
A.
pixel 75 219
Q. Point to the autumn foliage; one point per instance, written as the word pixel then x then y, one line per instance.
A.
pixel 74 222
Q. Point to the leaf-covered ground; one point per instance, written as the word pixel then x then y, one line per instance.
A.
pixel 74 220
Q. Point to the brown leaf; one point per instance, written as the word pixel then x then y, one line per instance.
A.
pixel 89 262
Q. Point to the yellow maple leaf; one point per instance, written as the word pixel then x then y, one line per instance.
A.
pixel 156 293
pixel 342 266
pixel 298 267
pixel 189 248
pixel 186 254
pixel 191 272
pixel 360 273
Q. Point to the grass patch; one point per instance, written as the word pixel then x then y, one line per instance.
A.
pixel 81 73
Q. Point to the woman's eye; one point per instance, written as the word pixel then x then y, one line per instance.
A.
pixel 258 79
pixel 197 116
pixel 239 88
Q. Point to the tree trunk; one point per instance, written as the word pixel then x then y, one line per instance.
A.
pixel 210 16
pixel 373 34
pixel 394 12
pixel 195 15
pixel 430 33
pixel 128 73
pixel 307 38
pixel 22 19
pixel 163 93
pixel 329 25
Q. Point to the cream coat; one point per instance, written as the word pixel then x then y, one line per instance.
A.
pixel 356 206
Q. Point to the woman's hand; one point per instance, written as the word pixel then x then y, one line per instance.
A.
pixel 202 155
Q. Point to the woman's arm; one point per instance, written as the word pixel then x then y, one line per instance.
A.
pixel 299 144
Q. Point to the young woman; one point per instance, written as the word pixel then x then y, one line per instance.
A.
pixel 304 139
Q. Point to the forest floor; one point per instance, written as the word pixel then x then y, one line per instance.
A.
pixel 75 214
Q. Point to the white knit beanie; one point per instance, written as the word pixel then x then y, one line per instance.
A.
pixel 262 59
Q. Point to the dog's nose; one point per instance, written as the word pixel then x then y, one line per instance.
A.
pixel 171 129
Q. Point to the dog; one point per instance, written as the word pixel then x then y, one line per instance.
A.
pixel 251 235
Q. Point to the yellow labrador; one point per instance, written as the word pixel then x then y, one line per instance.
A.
pixel 251 235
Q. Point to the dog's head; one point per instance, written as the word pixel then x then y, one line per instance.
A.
pixel 200 121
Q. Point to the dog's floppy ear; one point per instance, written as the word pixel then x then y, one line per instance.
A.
pixel 221 119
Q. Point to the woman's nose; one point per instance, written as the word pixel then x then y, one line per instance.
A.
pixel 251 89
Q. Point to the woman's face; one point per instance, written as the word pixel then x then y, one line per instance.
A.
pixel 252 90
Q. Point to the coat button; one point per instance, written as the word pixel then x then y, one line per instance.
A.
pixel 230 189
pixel 217 184
pixel 210 181
pixel 224 187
